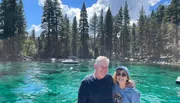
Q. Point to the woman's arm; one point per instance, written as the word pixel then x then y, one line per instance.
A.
pixel 135 96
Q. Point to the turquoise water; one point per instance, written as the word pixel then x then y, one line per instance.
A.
pixel 46 82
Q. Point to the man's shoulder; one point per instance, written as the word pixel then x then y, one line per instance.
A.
pixel 88 78
pixel 109 75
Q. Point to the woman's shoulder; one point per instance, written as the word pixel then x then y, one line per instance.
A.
pixel 133 90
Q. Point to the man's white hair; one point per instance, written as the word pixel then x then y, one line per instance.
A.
pixel 99 59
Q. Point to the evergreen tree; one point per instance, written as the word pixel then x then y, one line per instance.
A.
pixel 101 36
pixel 160 13
pixel 39 47
pixel 115 41
pixel 3 9
pixel 83 31
pixel 108 32
pixel 153 36
pixel 57 22
pixel 133 40
pixel 67 37
pixel 51 25
pixel 21 27
pixel 74 37
pixel 173 16
pixel 46 26
pixel 33 35
pixel 141 33
pixel 93 28
pixel 126 31
pixel 8 18
pixel 119 32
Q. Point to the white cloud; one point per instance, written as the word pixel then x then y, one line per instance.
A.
pixel 166 3
pixel 37 29
pixel 153 2
pixel 134 7
pixel 41 2
pixel 71 12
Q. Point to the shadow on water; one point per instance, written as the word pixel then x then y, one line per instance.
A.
pixel 52 71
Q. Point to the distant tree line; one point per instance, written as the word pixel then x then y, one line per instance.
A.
pixel 153 36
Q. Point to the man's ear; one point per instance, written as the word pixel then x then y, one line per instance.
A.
pixel 95 66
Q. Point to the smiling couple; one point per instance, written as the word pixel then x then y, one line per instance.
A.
pixel 101 87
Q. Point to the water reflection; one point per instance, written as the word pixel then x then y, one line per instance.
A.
pixel 43 82
pixel 32 85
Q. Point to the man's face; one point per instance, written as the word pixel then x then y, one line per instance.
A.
pixel 101 69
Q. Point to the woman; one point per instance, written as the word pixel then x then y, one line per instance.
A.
pixel 121 92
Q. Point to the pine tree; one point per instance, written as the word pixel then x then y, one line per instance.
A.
pixel 153 36
pixel 57 22
pixel 33 37
pixel 21 27
pixel 3 11
pixel 133 40
pixel 51 25
pixel 9 18
pixel 83 31
pixel 173 16
pixel 93 28
pixel 108 32
pixel 141 33
pixel 119 32
pixel 160 13
pixel 115 41
pixel 67 37
pixel 101 36
pixel 74 37
pixel 39 47
pixel 46 26
pixel 126 31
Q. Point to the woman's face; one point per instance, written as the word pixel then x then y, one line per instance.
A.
pixel 121 76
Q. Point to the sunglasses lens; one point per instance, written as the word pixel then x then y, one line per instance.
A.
pixel 123 74
pixel 119 74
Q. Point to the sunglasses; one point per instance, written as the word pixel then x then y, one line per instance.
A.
pixel 121 74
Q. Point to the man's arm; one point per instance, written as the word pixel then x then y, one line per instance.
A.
pixel 83 93
pixel 130 84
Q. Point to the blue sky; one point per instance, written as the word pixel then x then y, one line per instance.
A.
pixel 34 9
pixel 78 3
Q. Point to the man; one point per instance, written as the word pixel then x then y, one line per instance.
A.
pixel 97 88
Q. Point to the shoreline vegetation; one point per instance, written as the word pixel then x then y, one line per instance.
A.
pixel 161 61
pixel 148 40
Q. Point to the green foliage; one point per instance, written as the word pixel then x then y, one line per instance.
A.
pixel 108 32
pixel 101 36
pixel 83 31
pixel 74 38
pixel 93 28
pixel 52 29
pixel 29 48
pixel 126 31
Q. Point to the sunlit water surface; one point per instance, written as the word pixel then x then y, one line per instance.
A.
pixel 53 82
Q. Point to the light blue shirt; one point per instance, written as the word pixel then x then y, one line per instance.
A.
pixel 126 95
